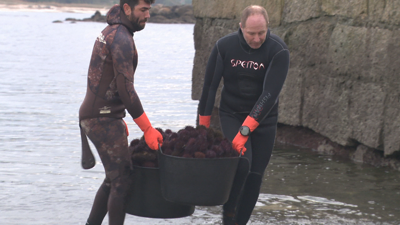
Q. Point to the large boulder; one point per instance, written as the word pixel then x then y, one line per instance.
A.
pixel 343 81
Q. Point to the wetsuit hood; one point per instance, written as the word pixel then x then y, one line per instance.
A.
pixel 246 46
pixel 116 16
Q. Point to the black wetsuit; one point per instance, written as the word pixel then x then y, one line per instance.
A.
pixel 253 79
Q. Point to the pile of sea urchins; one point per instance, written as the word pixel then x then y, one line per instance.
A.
pixel 190 142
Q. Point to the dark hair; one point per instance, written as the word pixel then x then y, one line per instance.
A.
pixel 253 10
pixel 133 3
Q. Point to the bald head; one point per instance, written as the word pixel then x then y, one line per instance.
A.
pixel 254 25
pixel 253 10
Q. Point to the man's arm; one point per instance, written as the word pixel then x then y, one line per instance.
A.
pixel 273 83
pixel 212 78
pixel 123 56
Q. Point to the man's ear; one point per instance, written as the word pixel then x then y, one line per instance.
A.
pixel 127 9
pixel 241 27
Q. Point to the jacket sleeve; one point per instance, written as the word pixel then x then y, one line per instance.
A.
pixel 212 79
pixel 124 58
pixel 273 83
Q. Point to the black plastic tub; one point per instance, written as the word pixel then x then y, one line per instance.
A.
pixel 202 182
pixel 146 200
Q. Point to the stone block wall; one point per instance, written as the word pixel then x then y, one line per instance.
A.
pixel 344 77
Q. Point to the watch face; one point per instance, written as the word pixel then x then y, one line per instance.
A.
pixel 245 131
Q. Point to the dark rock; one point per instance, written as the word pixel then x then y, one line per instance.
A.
pixel 171 14
pixel 97 17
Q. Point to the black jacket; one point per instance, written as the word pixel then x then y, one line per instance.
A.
pixel 253 78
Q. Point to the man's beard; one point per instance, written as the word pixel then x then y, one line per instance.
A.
pixel 136 23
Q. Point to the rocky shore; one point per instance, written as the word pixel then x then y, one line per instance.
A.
pixel 158 14
pixel 306 138
pixel 172 14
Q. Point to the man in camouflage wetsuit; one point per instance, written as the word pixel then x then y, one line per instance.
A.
pixel 110 91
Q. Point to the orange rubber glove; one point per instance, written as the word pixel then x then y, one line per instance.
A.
pixel 152 136
pixel 239 140
pixel 126 126
pixel 204 120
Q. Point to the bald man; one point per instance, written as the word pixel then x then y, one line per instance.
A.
pixel 254 64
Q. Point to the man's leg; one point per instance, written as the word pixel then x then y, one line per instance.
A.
pixel 110 138
pixel 230 125
pixel 118 199
pixel 262 142
pixel 99 208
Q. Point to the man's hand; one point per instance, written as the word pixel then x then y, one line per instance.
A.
pixel 238 142
pixel 204 120
pixel 241 138
pixel 152 136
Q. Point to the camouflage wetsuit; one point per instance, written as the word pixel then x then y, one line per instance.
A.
pixel 110 91
pixel 253 79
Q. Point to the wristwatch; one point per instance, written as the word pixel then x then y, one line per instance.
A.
pixel 244 130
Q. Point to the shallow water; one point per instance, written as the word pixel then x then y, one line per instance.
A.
pixel 43 71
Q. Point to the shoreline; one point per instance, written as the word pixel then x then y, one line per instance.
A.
pixel 18 5
pixel 182 14
pixel 306 138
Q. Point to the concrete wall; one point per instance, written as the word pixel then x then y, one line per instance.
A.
pixel 344 77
